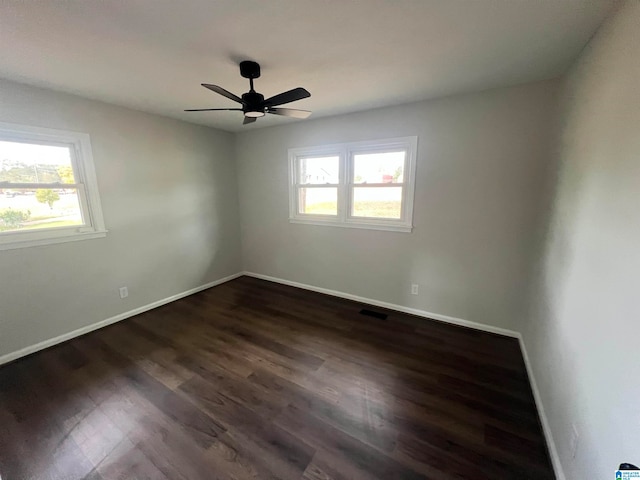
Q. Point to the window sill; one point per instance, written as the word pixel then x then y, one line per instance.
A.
pixel 63 237
pixel 366 226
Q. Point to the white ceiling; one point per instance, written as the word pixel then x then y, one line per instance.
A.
pixel 351 55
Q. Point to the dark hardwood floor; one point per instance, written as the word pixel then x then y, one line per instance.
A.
pixel 253 379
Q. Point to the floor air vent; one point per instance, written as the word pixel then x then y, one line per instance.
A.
pixel 371 313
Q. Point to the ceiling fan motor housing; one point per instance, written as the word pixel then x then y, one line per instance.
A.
pixel 253 102
pixel 252 98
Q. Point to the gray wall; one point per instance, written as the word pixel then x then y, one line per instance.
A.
pixel 482 159
pixel 584 324
pixel 169 197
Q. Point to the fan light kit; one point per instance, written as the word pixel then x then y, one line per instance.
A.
pixel 253 103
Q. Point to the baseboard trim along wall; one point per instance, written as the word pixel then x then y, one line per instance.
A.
pixel 546 427
pixel 117 318
pixel 391 306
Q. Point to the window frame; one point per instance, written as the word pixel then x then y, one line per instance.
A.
pixel 345 153
pixel 86 185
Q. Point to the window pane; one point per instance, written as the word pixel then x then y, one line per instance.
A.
pixel 32 163
pixel 22 209
pixel 318 170
pixel 385 167
pixel 318 201
pixel 377 202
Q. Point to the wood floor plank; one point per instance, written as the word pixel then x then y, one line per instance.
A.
pixel 256 380
pixel 203 428
pixel 129 461
pixel 343 447
pixel 361 420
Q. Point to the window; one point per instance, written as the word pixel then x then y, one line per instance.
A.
pixel 361 185
pixel 48 189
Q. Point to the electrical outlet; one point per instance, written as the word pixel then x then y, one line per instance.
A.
pixel 124 292
pixel 414 289
pixel 573 445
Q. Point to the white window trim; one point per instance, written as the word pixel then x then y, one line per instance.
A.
pixel 82 162
pixel 345 152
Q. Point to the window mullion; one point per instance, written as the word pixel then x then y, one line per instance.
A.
pixel 36 185
pixel 317 185
pixel 376 185
pixel 342 179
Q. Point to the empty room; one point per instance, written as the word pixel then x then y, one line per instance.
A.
pixel 319 240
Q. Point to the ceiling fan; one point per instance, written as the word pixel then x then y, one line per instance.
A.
pixel 253 103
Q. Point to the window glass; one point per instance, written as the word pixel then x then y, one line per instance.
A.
pixel 32 163
pixel 41 206
pixel 378 167
pixel 377 202
pixel 318 170
pixel 318 201
pixel 28 209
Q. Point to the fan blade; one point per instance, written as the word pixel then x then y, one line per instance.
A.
pixel 286 97
pixel 223 92
pixel 248 120
pixel 213 109
pixel 290 112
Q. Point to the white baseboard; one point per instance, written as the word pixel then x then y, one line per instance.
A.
pixel 546 428
pixel 122 316
pixel 391 306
